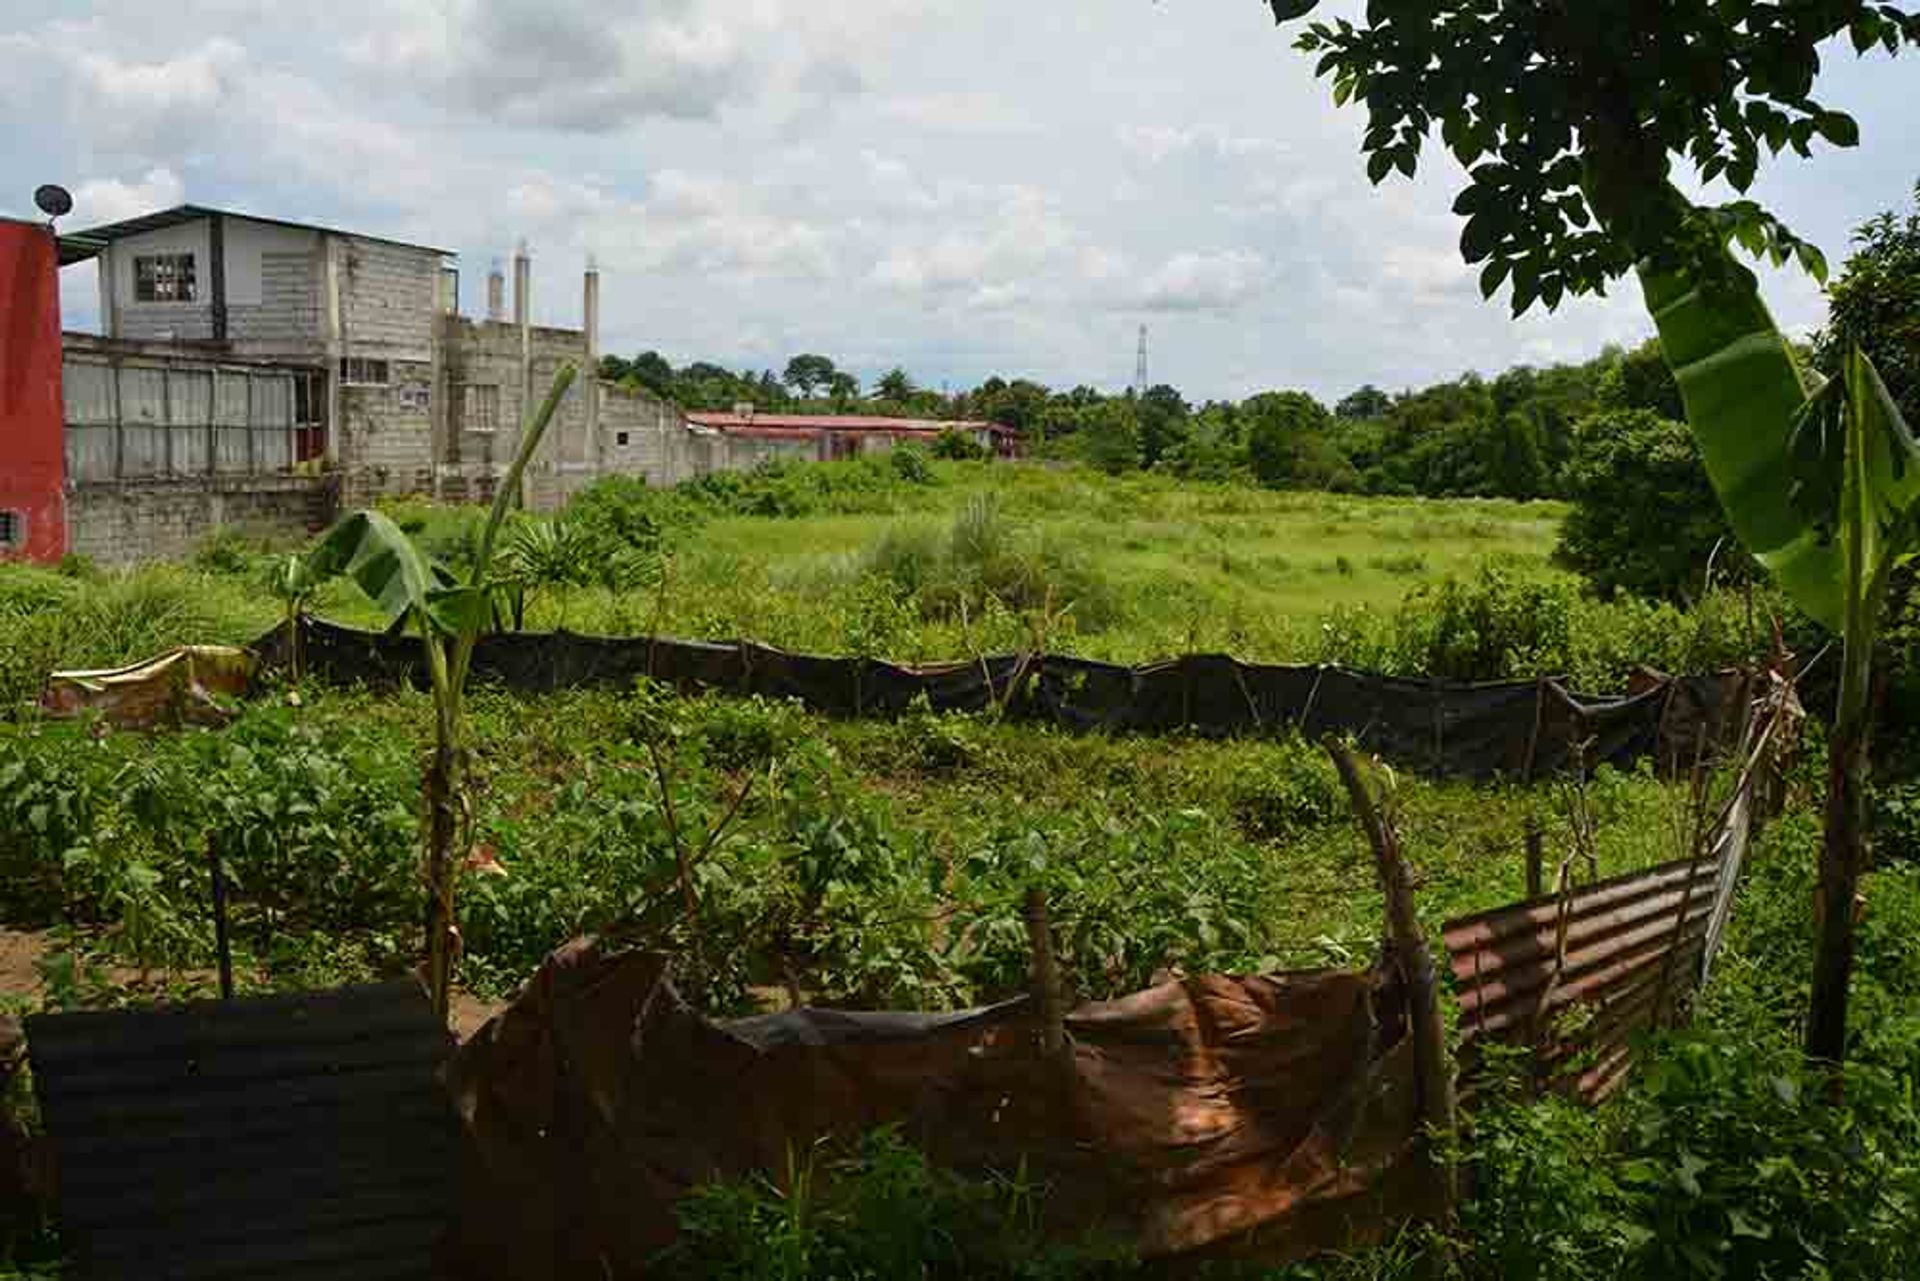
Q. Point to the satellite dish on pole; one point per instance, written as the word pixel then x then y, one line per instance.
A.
pixel 53 200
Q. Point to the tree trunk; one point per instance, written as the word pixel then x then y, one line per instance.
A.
pixel 442 829
pixel 1842 858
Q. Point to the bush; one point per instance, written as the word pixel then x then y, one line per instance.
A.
pixel 983 561
pixel 957 446
pixel 874 1209
pixel 1645 518
pixel 911 465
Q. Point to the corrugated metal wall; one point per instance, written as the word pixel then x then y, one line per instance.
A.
pixel 1631 951
pixel 130 418
pixel 286 1136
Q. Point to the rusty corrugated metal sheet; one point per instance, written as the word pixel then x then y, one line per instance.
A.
pixel 279 1136
pixel 1632 943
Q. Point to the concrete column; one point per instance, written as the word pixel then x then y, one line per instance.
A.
pixel 523 319
pixel 496 294
pixel 336 326
pixel 590 376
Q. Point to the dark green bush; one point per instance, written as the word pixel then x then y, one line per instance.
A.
pixel 874 1209
pixel 1645 518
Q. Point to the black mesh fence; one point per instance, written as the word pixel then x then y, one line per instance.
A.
pixel 1516 729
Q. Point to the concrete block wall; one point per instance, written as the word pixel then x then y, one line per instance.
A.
pixel 385 436
pixel 289 311
pixel 387 299
pixel 126 521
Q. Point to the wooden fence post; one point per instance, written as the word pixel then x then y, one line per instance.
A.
pixel 1045 976
pixel 1433 1074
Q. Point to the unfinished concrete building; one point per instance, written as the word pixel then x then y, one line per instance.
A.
pixel 256 371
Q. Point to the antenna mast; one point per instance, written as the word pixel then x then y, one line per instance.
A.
pixel 1140 366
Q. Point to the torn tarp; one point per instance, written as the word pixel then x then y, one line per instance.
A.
pixel 181 685
pixel 1267 1116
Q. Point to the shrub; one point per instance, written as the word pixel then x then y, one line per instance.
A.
pixel 957 446
pixel 910 464
pixel 875 1208
pixel 1645 518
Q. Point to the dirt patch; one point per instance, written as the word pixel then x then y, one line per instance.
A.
pixel 20 953
pixel 469 1013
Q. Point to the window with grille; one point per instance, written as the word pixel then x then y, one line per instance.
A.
pixel 358 371
pixel 163 278
pixel 13 530
pixel 479 406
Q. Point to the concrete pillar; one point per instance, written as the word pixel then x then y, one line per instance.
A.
pixel 590 376
pixel 496 293
pixel 523 319
pixel 336 320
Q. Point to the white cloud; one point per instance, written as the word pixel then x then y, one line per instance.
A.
pixel 1219 281
pixel 994 187
pixel 102 200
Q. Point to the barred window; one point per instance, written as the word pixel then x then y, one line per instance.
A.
pixel 163 278
pixel 357 371
pixel 13 529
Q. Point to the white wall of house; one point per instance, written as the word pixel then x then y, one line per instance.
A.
pixel 161 320
pixel 248 244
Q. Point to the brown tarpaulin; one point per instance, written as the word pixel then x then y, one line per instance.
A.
pixel 1269 1116
pixel 181 685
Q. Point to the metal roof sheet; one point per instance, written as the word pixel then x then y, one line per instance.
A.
pixel 105 235
pixel 277 1136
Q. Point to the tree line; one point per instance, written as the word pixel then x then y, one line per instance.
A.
pixel 1594 432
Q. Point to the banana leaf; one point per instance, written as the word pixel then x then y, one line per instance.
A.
pixel 396 575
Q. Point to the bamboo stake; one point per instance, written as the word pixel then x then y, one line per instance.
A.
pixel 1046 977
pixel 1410 954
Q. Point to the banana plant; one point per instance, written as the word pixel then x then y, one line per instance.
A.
pixel 1820 479
pixel 449 615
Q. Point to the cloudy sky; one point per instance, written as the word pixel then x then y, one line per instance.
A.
pixel 962 187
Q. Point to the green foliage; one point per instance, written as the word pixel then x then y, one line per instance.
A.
pixel 1875 305
pixel 910 464
pixel 1567 162
pixel 982 563
pixel 874 1208
pixel 1287 445
pixel 53 620
pixel 1645 518
pixel 956 446
pixel 1108 437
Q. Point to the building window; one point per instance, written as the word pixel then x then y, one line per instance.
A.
pixel 357 371
pixel 620 438
pixel 13 530
pixel 479 405
pixel 415 399
pixel 163 278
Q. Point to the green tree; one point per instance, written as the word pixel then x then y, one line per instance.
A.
pixel 894 385
pixel 1109 436
pixel 1287 445
pixel 808 372
pixel 1644 518
pixel 1569 117
pixel 1163 423
pixel 1875 306
pixel 1640 379
pixel 1363 403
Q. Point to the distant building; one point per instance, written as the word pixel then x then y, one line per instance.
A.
pixel 259 371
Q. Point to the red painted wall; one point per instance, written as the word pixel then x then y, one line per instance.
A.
pixel 32 448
